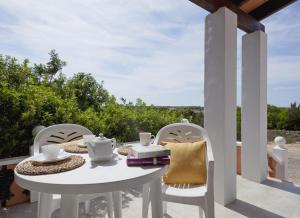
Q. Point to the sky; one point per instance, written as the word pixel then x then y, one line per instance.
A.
pixel 153 50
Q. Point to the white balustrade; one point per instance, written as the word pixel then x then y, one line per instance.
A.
pixel 280 152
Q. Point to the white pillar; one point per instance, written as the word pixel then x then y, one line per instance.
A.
pixel 220 99
pixel 254 106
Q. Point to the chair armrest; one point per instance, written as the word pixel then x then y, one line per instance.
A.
pixel 210 167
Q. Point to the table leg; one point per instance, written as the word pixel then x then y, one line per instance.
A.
pixel 156 198
pixel 45 205
pixel 117 198
pixel 69 206
pixel 146 200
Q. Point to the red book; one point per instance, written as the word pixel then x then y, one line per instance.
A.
pixel 152 161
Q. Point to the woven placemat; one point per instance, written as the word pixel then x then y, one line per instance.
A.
pixel 75 147
pixel 34 168
pixel 125 149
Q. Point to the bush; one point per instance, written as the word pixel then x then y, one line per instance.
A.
pixel 292 118
pixel 42 95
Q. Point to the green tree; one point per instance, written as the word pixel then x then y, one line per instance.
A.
pixel 274 117
pixel 292 121
pixel 152 119
pixel 54 65
pixel 282 119
pixel 194 116
pixel 119 122
pixel 43 95
pixel 40 71
pixel 87 91
pixel 46 72
pixel 14 74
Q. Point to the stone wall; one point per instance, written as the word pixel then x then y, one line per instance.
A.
pixel 290 136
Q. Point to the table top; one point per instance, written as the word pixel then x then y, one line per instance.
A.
pixel 92 177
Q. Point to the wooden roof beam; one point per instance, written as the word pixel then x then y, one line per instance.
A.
pixel 270 7
pixel 245 21
pixel 248 6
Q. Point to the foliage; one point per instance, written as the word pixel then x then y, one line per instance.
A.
pixel 43 95
pixel 276 117
pixel 292 119
pixel 87 91
pixel 194 116
pixel 46 72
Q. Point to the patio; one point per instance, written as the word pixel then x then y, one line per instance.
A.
pixel 254 194
pixel 273 198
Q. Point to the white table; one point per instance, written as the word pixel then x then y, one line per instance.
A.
pixel 112 176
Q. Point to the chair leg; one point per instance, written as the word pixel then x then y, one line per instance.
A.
pixel 87 205
pixel 146 200
pixel 110 207
pixel 209 210
pixel 201 212
pixel 45 207
pixel 156 198
pixel 165 207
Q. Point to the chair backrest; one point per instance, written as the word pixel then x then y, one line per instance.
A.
pixel 180 132
pixel 59 133
pixel 189 132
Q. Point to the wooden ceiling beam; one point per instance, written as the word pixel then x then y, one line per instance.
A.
pixel 245 21
pixel 249 6
pixel 239 2
pixel 270 7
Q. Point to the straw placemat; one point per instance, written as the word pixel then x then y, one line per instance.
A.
pixel 34 168
pixel 75 147
pixel 125 149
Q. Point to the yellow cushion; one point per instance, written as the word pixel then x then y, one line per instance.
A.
pixel 187 163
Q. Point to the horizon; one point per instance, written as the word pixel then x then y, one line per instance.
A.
pixel 158 57
pixel 202 106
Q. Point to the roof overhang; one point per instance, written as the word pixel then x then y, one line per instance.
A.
pixel 249 12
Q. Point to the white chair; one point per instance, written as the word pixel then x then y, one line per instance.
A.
pixel 60 133
pixel 200 195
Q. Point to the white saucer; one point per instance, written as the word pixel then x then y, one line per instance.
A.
pixel 42 159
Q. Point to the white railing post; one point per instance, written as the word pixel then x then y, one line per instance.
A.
pixel 281 154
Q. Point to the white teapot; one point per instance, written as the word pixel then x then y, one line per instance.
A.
pixel 101 148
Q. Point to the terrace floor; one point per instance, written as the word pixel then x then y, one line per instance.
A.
pixel 274 199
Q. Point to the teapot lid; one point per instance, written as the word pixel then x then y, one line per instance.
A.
pixel 102 138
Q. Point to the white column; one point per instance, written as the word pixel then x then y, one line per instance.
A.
pixel 220 99
pixel 254 106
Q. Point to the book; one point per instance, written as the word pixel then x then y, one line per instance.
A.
pixel 150 151
pixel 152 161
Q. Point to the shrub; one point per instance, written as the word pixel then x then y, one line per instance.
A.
pixel 42 95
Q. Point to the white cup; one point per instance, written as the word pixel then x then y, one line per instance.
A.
pixel 146 138
pixel 51 151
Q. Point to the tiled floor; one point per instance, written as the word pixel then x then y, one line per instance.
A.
pixel 271 199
